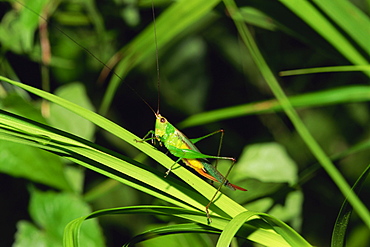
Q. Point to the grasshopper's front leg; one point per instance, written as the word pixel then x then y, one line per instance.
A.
pixel 152 138
pixel 145 138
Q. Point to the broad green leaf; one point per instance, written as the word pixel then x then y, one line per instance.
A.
pixel 29 234
pixel 67 120
pixel 31 163
pixel 27 162
pixel 267 162
pixel 17 28
pixel 50 212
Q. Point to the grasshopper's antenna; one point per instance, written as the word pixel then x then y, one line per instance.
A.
pixel 156 58
pixel 95 57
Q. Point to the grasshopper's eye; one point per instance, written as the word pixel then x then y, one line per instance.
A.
pixel 163 120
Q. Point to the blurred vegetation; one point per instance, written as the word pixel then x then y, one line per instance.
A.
pixel 208 81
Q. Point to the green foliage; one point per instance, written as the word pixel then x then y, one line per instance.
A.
pixel 300 141
pixel 50 212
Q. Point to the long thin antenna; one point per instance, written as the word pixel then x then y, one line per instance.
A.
pixel 92 55
pixel 157 59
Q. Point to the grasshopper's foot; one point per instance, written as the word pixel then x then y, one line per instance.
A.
pixel 141 141
pixel 168 172
pixel 209 220
pixel 170 169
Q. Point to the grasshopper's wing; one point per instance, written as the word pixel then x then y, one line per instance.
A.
pixel 191 146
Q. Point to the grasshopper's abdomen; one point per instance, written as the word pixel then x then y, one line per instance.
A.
pixel 209 171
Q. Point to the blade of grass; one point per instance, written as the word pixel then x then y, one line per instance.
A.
pixel 168 230
pixel 290 236
pixel 346 94
pixel 325 69
pixel 341 224
pixel 352 20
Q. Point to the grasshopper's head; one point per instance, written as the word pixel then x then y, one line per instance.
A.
pixel 160 125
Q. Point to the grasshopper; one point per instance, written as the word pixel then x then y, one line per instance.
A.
pixel 184 148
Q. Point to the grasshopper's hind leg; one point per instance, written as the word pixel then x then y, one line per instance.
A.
pixel 224 182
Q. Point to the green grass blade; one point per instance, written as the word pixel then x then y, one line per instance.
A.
pixel 71 232
pixel 171 229
pixel 352 20
pixel 347 94
pixel 290 236
pixel 341 224
pixel 325 70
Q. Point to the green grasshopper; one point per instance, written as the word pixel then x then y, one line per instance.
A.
pixel 184 148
